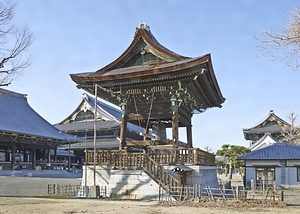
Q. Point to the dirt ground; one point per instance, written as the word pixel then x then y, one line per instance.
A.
pixel 68 206
pixel 18 195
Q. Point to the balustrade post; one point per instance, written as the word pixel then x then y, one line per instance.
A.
pixel 196 153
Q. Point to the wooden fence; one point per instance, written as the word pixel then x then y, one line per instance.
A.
pixel 64 189
pixel 182 156
pixel 192 192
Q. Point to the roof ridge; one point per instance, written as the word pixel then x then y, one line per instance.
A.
pixel 274 155
pixel 271 113
pixel 11 93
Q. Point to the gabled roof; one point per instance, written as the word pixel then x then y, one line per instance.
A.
pixel 18 118
pixel 109 117
pixel 270 124
pixel 143 41
pixel 277 151
pixel 264 141
pixel 105 112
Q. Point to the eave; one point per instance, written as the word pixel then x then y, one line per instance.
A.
pixel 31 140
pixel 139 71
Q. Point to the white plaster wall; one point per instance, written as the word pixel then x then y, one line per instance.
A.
pixel 126 184
pixel 199 175
pixel 250 174
pixel 286 177
pixel 136 184
pixel 293 163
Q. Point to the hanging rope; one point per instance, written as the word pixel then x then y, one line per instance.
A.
pixel 150 111
pixel 136 109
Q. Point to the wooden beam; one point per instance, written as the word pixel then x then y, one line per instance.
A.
pixel 202 98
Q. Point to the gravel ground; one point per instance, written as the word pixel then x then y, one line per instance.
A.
pixel 68 206
pixel 33 183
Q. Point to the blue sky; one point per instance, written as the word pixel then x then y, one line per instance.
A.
pixel 73 36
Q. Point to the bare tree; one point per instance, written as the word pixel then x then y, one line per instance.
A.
pixel 208 149
pixel 291 134
pixel 13 43
pixel 285 44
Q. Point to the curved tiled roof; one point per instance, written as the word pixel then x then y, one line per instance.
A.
pixel 277 151
pixel 17 117
pixel 146 65
pixel 116 113
pixel 143 33
pixel 262 127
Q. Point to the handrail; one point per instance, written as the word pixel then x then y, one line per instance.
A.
pixel 160 174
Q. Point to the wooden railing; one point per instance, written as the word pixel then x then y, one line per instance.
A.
pixel 121 159
pixel 182 156
pixel 103 157
pixel 128 160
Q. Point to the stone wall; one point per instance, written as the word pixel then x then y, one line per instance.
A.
pixel 136 184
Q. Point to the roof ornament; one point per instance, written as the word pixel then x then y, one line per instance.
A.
pixel 142 25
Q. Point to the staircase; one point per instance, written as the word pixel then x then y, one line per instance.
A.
pixel 161 176
pixel 152 162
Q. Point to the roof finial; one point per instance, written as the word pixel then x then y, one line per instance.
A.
pixel 144 26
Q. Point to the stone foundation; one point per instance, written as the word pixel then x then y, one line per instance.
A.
pixel 136 184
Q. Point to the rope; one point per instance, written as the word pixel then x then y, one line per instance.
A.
pixel 136 109
pixel 150 111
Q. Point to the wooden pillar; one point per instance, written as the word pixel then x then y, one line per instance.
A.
pixel 123 126
pixel 189 134
pixel 13 155
pixel 55 155
pixel 34 157
pixel 174 107
pixel 48 157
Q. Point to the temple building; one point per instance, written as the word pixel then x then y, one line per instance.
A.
pixel 156 89
pixel 81 122
pixel 266 132
pixel 26 139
